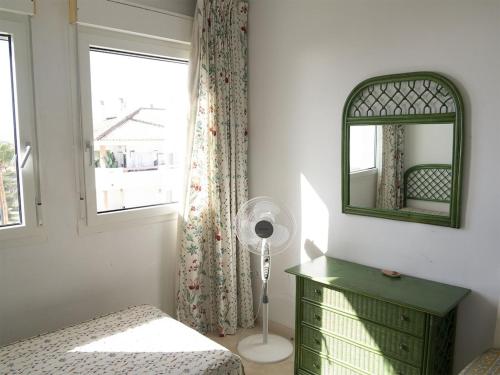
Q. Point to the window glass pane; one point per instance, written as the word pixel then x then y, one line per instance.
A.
pixel 10 201
pixel 139 106
pixel 363 146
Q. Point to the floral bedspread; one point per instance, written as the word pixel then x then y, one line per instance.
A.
pixel 138 340
pixel 486 364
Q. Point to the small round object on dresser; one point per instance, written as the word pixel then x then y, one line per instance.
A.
pixel 390 273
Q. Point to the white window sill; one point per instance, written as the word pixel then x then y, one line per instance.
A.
pixel 369 171
pixel 85 228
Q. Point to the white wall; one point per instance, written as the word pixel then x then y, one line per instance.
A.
pixel 70 278
pixel 305 57
pixel 428 144
pixel 497 332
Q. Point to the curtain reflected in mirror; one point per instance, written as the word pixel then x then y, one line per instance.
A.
pixel 401 167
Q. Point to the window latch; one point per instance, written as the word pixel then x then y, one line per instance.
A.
pixel 27 153
pixel 89 147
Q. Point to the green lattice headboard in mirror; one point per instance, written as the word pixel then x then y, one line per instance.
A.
pixel 428 183
pixel 402 149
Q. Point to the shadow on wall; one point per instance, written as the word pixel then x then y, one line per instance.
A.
pixel 311 250
pixel 473 314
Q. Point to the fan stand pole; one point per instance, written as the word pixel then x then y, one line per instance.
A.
pixel 265 348
pixel 265 271
pixel 265 315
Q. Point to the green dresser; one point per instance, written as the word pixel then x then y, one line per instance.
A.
pixel 352 320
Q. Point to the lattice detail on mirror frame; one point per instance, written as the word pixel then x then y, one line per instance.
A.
pixel 428 182
pixel 400 98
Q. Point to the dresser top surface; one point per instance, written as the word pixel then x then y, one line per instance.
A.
pixel 424 295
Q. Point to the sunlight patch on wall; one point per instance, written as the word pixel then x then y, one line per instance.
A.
pixel 314 222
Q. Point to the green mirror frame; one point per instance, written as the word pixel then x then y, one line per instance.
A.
pixel 408 98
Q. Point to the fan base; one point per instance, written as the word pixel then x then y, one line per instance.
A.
pixel 253 348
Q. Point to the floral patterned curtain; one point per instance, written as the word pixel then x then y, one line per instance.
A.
pixel 214 284
pixel 390 184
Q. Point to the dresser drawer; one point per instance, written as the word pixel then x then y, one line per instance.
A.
pixel 317 364
pixel 388 314
pixel 389 342
pixel 355 356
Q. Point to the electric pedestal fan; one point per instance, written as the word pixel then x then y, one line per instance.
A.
pixel 266 229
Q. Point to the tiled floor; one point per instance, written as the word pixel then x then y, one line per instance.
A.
pixel 251 368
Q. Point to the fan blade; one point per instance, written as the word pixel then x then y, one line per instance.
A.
pixel 264 209
pixel 259 209
pixel 280 236
pixel 246 234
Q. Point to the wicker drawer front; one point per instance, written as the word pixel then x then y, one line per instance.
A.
pixel 354 355
pixel 388 341
pixel 316 364
pixel 388 314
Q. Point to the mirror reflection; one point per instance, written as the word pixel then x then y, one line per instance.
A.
pixel 401 167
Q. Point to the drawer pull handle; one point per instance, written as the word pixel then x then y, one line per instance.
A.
pixel 317 341
pixel 405 318
pixel 317 317
pixel 316 365
pixel 317 291
pixel 404 347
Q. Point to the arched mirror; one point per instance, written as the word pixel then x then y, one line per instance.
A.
pixel 402 149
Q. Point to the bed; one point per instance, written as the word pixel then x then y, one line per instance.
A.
pixel 428 183
pixel 487 363
pixel 138 340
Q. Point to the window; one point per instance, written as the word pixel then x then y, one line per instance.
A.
pixel 138 110
pixel 18 184
pixel 134 117
pixel 363 147
pixel 10 198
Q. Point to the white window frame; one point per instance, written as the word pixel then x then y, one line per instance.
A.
pixel 93 37
pixel 18 27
